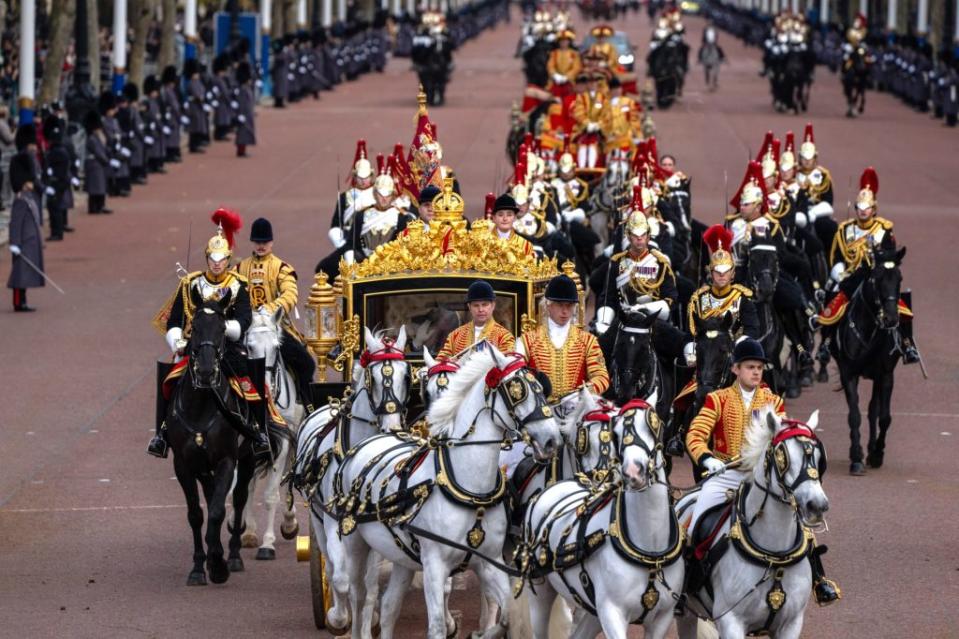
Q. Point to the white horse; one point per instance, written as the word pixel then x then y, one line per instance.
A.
pixel 263 340
pixel 623 533
pixel 381 385
pixel 464 507
pixel 753 593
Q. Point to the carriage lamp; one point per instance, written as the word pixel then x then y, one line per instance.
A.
pixel 322 321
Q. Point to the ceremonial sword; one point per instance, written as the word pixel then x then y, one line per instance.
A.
pixel 37 269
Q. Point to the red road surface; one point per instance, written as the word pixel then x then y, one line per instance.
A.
pixel 95 539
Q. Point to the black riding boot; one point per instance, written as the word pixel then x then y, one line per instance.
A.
pixel 910 354
pixel 676 445
pixel 826 590
pixel 158 446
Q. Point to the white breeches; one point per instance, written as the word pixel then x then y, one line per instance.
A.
pixel 713 493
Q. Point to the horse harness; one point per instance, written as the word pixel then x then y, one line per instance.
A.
pixel 399 508
pixel 536 560
pixel 774 563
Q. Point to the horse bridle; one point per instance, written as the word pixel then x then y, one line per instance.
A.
pixel 217 356
pixel 725 370
pixel 442 371
pixel 389 403
pixel 514 391
pixel 776 462
pixel 631 437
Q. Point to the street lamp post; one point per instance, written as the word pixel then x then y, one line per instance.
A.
pixel 27 61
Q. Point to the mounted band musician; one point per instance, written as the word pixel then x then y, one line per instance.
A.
pixel 216 283
pixel 272 286
pixel 715 442
pixel 481 303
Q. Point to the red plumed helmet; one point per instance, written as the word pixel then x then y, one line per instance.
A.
pixel 398 149
pixel 768 140
pixel 380 164
pixel 360 151
pixel 808 134
pixel 752 189
pixel 869 180
pixel 718 237
pixel 229 221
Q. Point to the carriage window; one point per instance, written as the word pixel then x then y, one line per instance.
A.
pixel 430 315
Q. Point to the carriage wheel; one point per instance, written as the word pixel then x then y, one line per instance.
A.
pixel 319 586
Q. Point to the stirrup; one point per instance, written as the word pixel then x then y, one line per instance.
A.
pixel 158 447
pixel 827 592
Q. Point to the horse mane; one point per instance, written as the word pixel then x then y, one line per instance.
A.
pixel 757 437
pixel 443 411
pixel 568 426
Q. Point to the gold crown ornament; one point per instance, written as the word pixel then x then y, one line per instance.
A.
pixel 448 206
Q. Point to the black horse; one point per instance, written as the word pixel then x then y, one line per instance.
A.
pixel 867 344
pixel 855 76
pixel 433 60
pixel 636 372
pixel 206 447
pixel 763 269
pixel 714 349
pixel 666 64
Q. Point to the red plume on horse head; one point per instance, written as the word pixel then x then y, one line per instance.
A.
pixel 718 237
pixel 229 221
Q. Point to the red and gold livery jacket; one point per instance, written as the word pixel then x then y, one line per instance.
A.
pixel 518 243
pixel 854 242
pixel 579 361
pixel 720 426
pixel 465 336
pixel 272 285
pixel 588 109
pixel 564 62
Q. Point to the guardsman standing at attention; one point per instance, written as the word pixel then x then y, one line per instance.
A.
pixel 481 302
pixel 25 233
pixel 565 353
pixel 272 286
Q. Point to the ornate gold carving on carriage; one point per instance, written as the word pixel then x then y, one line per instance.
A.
pixel 420 280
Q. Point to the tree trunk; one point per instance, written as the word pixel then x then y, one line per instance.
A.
pixel 93 43
pixel 141 16
pixel 167 36
pixel 289 7
pixel 279 14
pixel 62 14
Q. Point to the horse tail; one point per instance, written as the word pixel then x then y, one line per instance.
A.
pixel 278 435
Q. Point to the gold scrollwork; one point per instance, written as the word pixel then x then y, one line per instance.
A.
pixel 349 340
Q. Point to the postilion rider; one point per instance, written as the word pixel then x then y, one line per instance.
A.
pixel 481 302
pixel 272 286
pixel 214 283
pixel 715 438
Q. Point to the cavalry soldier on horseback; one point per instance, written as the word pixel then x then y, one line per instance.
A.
pixel 715 442
pixel 349 203
pixel 815 181
pixel 215 283
pixel 753 221
pixel 271 283
pixel 481 303
pixel 852 253
pixel 572 191
pixel 378 224
pixel 857 60
pixel 565 353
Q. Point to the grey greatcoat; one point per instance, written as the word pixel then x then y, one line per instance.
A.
pixel 199 122
pixel 153 133
pixel 96 165
pixel 25 232
pixel 115 144
pixel 246 125
pixel 222 97
pixel 281 80
pixel 170 102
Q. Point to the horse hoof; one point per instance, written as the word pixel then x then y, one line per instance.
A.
pixel 292 532
pixel 337 631
pixel 822 376
pixel 856 469
pixel 792 392
pixel 265 554
pixel 874 460
pixel 235 564
pixel 196 578
pixel 219 571
pixel 249 540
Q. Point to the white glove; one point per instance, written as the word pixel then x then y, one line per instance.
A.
pixel 559 78
pixel 658 309
pixel 574 215
pixel 15 249
pixel 209 96
pixel 592 127
pixel 185 121
pixel 50 171
pixel 689 352
pixel 670 229
pixel 823 209
pixel 173 336
pixel 604 318
pixel 337 237
pixel 232 331
pixel 801 220
pixel 77 164
pixel 837 272
pixel 167 130
pixel 234 105
pixel 215 103
pixel 608 251
pixel 241 118
pixel 653 226
pixel 75 182
pixel 349 257
pixel 50 191
pixel 115 163
pixel 125 152
pixel 149 140
pixel 206 108
pixel 167 116
pixel 550 228
pixel 713 465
